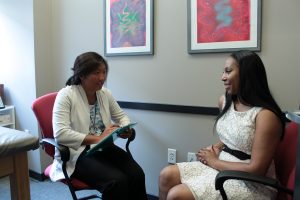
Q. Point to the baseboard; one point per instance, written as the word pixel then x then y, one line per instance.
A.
pixel 37 176
pixel 151 197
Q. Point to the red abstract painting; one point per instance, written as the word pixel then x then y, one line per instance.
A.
pixel 223 20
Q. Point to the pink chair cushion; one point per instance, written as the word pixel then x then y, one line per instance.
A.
pixel 285 159
pixel 47 170
pixel 77 184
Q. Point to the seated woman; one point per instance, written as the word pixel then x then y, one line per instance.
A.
pixel 84 112
pixel 250 123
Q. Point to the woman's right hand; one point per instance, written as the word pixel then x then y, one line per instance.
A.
pixel 108 130
pixel 199 158
pixel 217 148
pixel 94 139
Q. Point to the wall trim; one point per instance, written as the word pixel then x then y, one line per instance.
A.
pixel 37 176
pixel 170 108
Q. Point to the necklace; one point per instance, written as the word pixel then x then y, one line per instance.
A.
pixel 96 123
pixel 93 113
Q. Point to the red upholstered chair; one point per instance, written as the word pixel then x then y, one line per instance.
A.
pixel 285 164
pixel 42 108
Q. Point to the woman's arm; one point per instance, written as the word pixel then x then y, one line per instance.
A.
pixel 219 145
pixel 117 115
pixel 94 139
pixel 267 137
pixel 61 120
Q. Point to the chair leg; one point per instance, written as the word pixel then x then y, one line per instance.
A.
pixel 74 196
pixel 69 181
pixel 223 193
pixel 72 190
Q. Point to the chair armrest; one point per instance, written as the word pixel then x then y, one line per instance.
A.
pixel 131 138
pixel 222 176
pixel 64 154
pixel 64 151
pixel 293 117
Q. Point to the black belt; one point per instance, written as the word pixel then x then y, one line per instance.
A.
pixel 239 154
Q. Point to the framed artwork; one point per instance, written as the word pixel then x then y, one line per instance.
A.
pixel 128 27
pixel 224 25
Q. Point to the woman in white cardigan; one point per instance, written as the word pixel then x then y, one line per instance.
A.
pixel 84 112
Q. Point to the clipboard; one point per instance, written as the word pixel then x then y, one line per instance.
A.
pixel 109 138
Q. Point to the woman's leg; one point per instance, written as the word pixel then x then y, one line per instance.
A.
pixel 180 191
pixel 168 178
pixel 134 173
pixel 170 186
pixel 102 175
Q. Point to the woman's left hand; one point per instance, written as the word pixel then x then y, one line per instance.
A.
pixel 126 134
pixel 208 156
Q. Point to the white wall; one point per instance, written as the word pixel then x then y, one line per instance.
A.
pixel 77 26
pixel 17 68
pixel 157 131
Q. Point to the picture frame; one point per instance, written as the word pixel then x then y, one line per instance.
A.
pixel 224 26
pixel 128 27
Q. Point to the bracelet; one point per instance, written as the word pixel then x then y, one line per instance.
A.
pixel 219 147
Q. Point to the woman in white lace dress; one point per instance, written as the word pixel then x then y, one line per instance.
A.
pixel 249 127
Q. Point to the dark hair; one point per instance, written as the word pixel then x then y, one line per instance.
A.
pixel 253 86
pixel 85 64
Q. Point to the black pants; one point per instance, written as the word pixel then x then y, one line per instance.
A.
pixel 112 172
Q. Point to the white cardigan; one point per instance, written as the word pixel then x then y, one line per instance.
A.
pixel 71 120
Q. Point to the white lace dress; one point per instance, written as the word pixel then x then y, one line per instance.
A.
pixel 236 130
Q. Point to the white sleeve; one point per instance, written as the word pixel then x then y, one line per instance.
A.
pixel 63 132
pixel 117 114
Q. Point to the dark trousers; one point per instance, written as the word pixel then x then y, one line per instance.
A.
pixel 112 172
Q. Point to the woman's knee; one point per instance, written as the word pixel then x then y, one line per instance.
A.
pixel 174 194
pixel 120 181
pixel 180 191
pixel 140 173
pixel 136 174
pixel 169 176
pixel 115 188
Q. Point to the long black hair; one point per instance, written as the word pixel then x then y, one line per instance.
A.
pixel 253 86
pixel 85 64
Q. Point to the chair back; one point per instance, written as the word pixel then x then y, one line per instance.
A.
pixel 285 158
pixel 42 108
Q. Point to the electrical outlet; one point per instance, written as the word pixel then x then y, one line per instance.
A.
pixel 191 157
pixel 172 156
